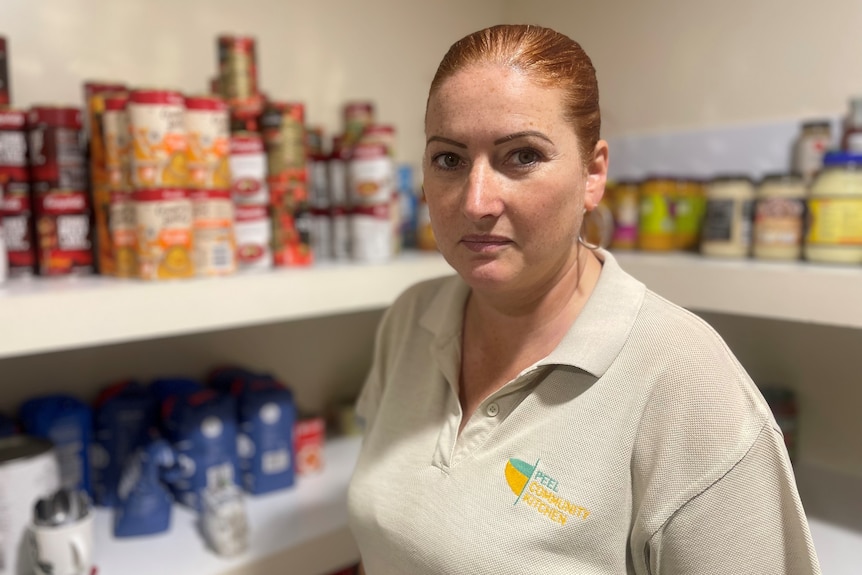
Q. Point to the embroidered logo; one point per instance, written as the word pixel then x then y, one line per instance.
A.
pixel 541 492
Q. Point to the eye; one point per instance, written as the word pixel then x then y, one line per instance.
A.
pixel 526 157
pixel 447 161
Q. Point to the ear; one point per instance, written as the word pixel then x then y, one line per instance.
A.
pixel 597 175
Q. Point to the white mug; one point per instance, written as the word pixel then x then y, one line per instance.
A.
pixel 63 549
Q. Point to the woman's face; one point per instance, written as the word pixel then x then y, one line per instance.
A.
pixel 504 181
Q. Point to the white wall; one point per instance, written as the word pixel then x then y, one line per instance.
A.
pixel 322 52
pixel 688 64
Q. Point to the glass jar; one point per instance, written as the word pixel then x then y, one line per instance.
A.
pixel 688 209
pixel 727 222
pixel 851 139
pixel 835 211
pixel 814 139
pixel 779 217
pixel 624 200
pixel 655 218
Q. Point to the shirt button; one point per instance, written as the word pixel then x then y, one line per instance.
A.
pixel 492 410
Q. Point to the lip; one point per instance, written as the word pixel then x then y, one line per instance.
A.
pixel 484 243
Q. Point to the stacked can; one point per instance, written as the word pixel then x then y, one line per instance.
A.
pixel 372 193
pixel 357 117
pixel 59 184
pixel 159 177
pixel 5 98
pixel 283 126
pixel 251 202
pixel 15 206
pixel 95 95
pixel 339 206
pixel 207 127
pixel 319 200
pixel 121 233
pixel 236 81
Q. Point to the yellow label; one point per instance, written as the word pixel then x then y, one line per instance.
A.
pixel 835 221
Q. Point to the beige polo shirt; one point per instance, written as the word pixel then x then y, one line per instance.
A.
pixel 639 445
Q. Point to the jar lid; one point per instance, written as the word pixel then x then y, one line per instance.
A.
pixel 816 125
pixel 841 158
pixel 781 178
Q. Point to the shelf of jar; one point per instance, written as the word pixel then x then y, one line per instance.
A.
pixel 792 291
pixel 40 315
pixel 294 523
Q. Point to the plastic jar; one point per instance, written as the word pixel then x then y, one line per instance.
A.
pixel 688 209
pixel 835 211
pixel 727 222
pixel 655 220
pixel 779 217
pixel 815 137
pixel 624 200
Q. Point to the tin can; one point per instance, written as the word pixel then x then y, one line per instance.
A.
pixel 248 170
pixel 5 92
pixel 283 126
pixel 237 59
pixel 371 233
pixel 212 225
pixel 56 149
pixel 18 234
pixel 95 99
pixel 656 225
pixel 63 240
pixel 357 117
pixel 117 141
pixel 123 235
pixel 164 233
pixel 14 173
pixel 253 238
pixel 29 470
pixel 314 142
pixel 321 233
pixel 207 125
pixel 341 236
pixel 625 206
pixel 370 175
pixel 291 235
pixel 382 134
pixel 245 114
pixel 159 141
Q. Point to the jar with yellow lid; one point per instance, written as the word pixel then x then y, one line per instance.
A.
pixel 727 222
pixel 779 217
pixel 655 218
pixel 835 211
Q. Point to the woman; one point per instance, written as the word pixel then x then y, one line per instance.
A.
pixel 542 410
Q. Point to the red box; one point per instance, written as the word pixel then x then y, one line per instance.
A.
pixel 309 437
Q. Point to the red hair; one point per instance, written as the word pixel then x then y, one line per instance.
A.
pixel 544 55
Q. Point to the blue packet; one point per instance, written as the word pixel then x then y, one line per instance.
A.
pixel 266 414
pixel 144 503
pixel 124 420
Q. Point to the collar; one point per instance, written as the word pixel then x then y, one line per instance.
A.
pixel 593 341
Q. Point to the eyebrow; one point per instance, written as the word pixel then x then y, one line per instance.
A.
pixel 497 142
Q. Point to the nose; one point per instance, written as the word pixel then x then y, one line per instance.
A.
pixel 481 197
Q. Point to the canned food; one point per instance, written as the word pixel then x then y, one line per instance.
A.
pixel 336 171
pixel 164 233
pixel 116 137
pixel 357 116
pixel 18 235
pixel 15 207
pixel 95 98
pixel 63 244
pixel 371 233
pixel 14 174
pixel 291 235
pixel 56 149
pixel 253 238
pixel 370 175
pixel 314 142
pixel 340 223
pixel 5 98
pixel 321 233
pixel 159 142
pixel 248 170
pixel 237 57
pixel 283 126
pixel 380 134
pixel 309 438
pixel 123 235
pixel 207 125
pixel 212 225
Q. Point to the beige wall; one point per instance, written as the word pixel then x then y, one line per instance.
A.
pixel 321 52
pixel 683 64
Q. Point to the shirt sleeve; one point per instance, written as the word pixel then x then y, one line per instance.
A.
pixel 749 522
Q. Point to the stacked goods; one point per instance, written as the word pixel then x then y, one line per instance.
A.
pixel 15 205
pixel 207 126
pixel 237 81
pixel 336 173
pixel 251 202
pixel 59 191
pixel 5 98
pixel 283 128
pixel 121 235
pixel 319 200
pixel 96 95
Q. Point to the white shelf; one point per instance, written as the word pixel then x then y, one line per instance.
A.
pixel 313 509
pixel 794 291
pixel 44 314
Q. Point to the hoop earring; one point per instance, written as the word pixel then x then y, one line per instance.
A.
pixel 587 244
